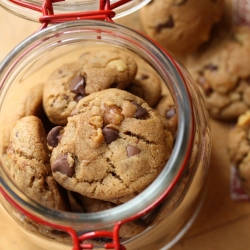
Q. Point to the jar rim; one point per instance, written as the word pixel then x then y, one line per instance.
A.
pixel 168 177
pixel 70 6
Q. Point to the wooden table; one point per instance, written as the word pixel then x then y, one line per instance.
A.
pixel 223 224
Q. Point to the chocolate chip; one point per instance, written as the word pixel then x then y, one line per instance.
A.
pixel 78 98
pixel 53 136
pixel 170 113
pixel 77 85
pixel 109 134
pixel 179 2
pixel 143 77
pixel 248 79
pixel 61 165
pixel 114 85
pixel 211 67
pixel 205 86
pixel 168 24
pixel 132 150
pixel 140 112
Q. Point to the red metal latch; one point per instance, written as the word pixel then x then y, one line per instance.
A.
pixel 105 12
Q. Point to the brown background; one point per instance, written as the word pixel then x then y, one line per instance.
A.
pixel 223 224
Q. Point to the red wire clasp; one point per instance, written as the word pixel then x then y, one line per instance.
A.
pixel 105 12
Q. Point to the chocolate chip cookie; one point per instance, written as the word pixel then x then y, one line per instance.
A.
pixel 181 26
pixel 221 69
pixel 29 163
pixel 113 146
pixel 239 149
pixel 94 71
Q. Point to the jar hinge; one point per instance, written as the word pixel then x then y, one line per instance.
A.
pixel 105 12
pixel 76 240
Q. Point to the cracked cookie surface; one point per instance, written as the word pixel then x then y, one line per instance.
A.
pixel 113 146
pixel 94 71
pixel 221 70
pixel 181 26
pixel 30 165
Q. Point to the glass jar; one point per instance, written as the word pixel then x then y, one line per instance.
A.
pixel 167 207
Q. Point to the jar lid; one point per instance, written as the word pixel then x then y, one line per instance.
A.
pixel 31 9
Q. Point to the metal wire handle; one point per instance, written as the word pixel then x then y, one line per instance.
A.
pixel 105 12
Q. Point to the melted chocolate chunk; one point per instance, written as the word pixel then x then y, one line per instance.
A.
pixel 78 98
pixel 61 165
pixel 77 85
pixel 114 85
pixel 53 136
pixel 205 86
pixel 132 150
pixel 248 79
pixel 170 113
pixel 140 112
pixel 143 77
pixel 168 24
pixel 180 2
pixel 109 134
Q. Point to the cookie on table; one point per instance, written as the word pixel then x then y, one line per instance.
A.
pixel 30 165
pixel 239 149
pixel 113 146
pixel 147 84
pixel 94 71
pixel 221 69
pixel 181 26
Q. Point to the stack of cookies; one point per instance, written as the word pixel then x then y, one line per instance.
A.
pixel 220 69
pixel 216 52
pixel 93 136
pixel 181 26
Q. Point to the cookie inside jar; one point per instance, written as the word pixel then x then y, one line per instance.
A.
pixel 90 128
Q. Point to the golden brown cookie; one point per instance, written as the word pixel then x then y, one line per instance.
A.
pixel 181 26
pixel 113 146
pixel 239 149
pixel 30 166
pixel 221 69
pixel 94 71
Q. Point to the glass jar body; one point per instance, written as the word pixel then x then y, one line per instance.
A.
pixel 165 209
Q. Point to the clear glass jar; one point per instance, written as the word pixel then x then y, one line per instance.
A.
pixel 167 207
